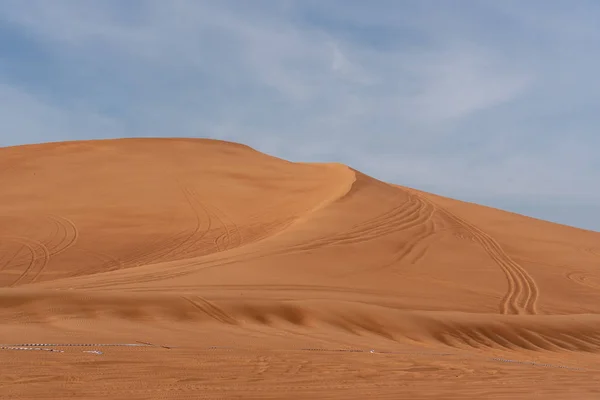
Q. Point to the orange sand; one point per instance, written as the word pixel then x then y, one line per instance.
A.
pixel 253 277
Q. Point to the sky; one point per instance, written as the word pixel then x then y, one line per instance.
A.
pixel 493 102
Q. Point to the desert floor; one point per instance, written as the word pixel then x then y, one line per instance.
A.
pixel 200 269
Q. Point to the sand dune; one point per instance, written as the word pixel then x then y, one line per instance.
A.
pixel 249 276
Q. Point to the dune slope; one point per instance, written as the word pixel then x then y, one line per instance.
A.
pixel 201 243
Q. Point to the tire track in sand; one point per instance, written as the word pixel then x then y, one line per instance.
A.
pixel 523 293
pixel 592 250
pixel 6 258
pixel 198 208
pixel 69 232
pixel 422 248
pixel 408 249
pixel 413 212
pixel 582 279
pixel 407 215
pixel 427 230
pixel 39 258
pixel 177 244
pixel 107 263
pixel 147 252
pixel 232 236
pixel 209 309
pixel 41 252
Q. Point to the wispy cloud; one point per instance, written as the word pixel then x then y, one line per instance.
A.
pixel 461 82
pixel 483 100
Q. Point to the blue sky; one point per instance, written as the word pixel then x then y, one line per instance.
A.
pixel 495 102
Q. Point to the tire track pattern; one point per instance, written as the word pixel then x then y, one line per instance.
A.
pixel 196 242
pixel 523 293
pixel 582 279
pixel 231 237
pixel 9 255
pixel 181 243
pixel 198 232
pixel 33 256
pixel 68 233
pixel 38 259
pixel 410 213
pixel 106 263
pixel 416 247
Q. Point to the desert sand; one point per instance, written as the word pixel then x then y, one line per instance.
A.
pixel 202 269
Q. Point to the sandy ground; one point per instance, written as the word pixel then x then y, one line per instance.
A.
pixel 171 268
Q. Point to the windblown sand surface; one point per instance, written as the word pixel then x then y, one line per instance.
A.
pixel 240 275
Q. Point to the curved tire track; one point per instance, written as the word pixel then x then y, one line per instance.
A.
pixel 232 236
pixel 409 214
pixel 183 241
pixel 39 255
pixel 405 216
pixel 408 250
pixel 107 262
pixel 177 244
pixel 592 250
pixel 209 309
pixel 198 207
pixel 5 262
pixel 523 293
pixel 70 234
pixel 581 278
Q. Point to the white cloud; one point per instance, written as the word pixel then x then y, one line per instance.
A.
pixel 458 83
